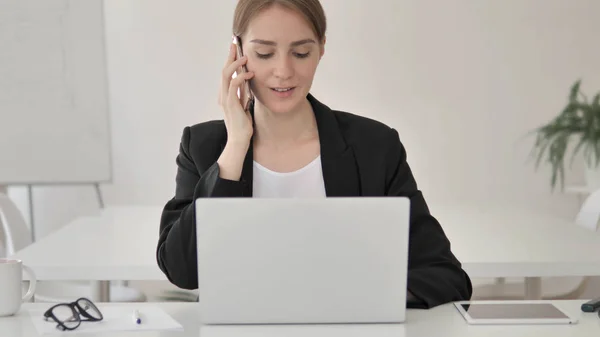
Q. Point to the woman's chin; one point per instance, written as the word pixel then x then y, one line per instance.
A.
pixel 279 105
pixel 280 108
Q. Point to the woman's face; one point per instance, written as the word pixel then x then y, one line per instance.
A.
pixel 283 52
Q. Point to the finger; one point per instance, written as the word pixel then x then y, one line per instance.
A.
pixel 233 67
pixel 228 74
pixel 225 78
pixel 231 56
pixel 236 83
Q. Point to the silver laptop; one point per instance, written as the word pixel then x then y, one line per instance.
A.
pixel 280 261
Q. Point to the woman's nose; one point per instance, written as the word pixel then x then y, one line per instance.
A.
pixel 284 68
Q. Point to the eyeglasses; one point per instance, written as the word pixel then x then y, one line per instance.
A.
pixel 69 316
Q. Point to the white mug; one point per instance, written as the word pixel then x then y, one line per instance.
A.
pixel 11 277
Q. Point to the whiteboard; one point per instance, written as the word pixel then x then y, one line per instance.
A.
pixel 54 109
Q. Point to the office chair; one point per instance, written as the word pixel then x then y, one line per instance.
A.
pixel 15 235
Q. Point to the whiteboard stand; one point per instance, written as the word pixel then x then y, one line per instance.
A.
pixel 31 218
pixel 4 190
pixel 99 289
pixel 99 195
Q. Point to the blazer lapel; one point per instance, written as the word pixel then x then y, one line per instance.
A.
pixel 340 171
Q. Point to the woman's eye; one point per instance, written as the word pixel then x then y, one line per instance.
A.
pixel 298 55
pixel 263 56
pixel 301 56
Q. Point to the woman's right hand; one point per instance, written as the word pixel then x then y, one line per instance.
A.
pixel 237 121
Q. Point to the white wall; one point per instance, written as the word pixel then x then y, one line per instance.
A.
pixel 461 80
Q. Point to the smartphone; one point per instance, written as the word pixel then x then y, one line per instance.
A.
pixel 246 95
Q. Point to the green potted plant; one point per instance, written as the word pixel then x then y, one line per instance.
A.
pixel 579 121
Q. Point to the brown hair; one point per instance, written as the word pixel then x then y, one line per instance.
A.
pixel 311 10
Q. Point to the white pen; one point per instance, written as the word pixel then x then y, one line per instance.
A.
pixel 136 317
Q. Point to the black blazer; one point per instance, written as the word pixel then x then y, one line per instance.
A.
pixel 360 157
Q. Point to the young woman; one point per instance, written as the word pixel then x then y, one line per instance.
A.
pixel 289 144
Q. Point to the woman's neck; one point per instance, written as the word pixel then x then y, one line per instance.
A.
pixel 282 130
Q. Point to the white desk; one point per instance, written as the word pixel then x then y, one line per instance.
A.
pixel 119 244
pixel 440 321
pixel 492 241
pixel 501 242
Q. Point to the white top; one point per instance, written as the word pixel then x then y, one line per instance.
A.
pixel 443 320
pixel 306 182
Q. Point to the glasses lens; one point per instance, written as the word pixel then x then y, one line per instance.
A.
pixel 90 311
pixel 66 315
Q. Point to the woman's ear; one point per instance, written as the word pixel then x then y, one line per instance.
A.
pixel 323 47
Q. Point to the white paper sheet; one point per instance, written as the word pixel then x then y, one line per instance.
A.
pixel 116 318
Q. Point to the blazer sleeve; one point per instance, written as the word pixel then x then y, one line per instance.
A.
pixel 435 276
pixel 176 250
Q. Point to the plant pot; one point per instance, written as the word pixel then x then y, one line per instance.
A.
pixel 592 177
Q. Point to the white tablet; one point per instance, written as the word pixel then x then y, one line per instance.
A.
pixel 513 312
